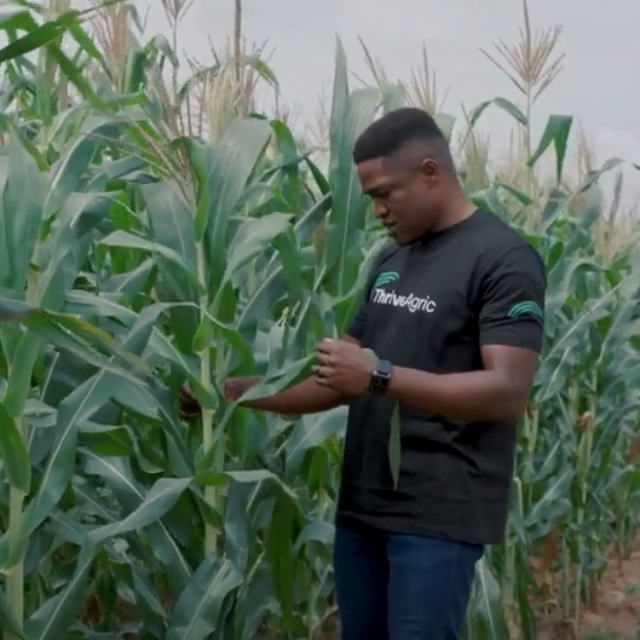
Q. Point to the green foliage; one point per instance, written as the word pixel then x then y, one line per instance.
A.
pixel 135 258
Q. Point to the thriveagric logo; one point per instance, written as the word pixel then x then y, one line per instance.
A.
pixel 528 308
pixel 411 302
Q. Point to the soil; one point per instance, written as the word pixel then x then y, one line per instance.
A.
pixel 617 614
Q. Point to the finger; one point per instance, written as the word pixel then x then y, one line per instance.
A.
pixel 189 410
pixel 323 380
pixel 321 372
pixel 187 404
pixel 325 359
pixel 189 401
pixel 186 393
pixel 327 346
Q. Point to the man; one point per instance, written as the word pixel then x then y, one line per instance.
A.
pixel 454 314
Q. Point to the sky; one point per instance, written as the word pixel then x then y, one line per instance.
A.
pixel 600 44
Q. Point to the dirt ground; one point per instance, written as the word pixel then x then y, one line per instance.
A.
pixel 618 612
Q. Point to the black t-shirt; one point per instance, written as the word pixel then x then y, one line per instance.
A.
pixel 431 306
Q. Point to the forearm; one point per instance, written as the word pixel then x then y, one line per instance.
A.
pixel 305 397
pixel 473 396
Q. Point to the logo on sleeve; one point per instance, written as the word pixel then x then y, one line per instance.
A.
pixel 389 297
pixel 528 308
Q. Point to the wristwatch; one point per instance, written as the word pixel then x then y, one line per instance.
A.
pixel 380 378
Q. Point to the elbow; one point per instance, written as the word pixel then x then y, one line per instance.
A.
pixel 511 405
pixel 507 414
pixel 510 398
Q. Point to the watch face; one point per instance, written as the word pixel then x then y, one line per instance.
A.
pixel 380 378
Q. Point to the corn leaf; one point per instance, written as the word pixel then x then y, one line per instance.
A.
pixel 13 453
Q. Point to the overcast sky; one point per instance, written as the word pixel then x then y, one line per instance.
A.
pixel 600 42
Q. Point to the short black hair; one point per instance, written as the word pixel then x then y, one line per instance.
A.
pixel 386 136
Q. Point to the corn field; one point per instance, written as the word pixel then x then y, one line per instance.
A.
pixel 157 233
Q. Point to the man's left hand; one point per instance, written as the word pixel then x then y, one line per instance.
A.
pixel 343 366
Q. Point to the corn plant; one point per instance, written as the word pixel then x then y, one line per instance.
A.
pixel 140 274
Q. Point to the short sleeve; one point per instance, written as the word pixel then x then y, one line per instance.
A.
pixel 356 327
pixel 512 300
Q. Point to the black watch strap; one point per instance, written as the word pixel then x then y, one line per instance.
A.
pixel 380 377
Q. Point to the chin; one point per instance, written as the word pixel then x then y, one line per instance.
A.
pixel 404 240
pixel 395 238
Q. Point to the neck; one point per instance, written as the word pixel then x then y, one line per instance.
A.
pixel 455 209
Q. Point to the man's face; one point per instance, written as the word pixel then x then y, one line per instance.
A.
pixel 405 200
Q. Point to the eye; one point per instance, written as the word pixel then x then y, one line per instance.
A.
pixel 381 194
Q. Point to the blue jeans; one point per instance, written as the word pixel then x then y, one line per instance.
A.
pixel 401 587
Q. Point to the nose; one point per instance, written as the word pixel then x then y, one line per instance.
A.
pixel 380 210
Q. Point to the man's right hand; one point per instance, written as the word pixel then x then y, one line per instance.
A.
pixel 236 387
pixel 233 389
pixel 189 406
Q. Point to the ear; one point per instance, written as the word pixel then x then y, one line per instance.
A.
pixel 430 170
